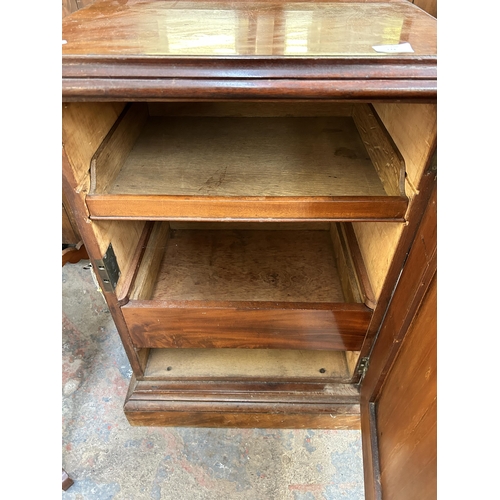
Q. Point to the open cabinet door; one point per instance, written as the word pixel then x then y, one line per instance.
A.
pixel 399 390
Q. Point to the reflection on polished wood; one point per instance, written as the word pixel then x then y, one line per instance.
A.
pixel 189 28
pixel 213 50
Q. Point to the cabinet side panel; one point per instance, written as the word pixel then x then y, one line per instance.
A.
pixel 377 242
pixel 84 127
pixel 124 237
pixel 70 234
pixel 413 129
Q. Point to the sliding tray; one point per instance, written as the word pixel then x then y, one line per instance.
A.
pixel 200 286
pixel 231 167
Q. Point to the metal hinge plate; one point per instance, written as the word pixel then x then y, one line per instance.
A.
pixel 108 270
pixel 363 367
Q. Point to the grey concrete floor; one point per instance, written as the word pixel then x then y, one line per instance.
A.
pixel 109 459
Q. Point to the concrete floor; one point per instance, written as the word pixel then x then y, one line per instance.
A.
pixel 109 459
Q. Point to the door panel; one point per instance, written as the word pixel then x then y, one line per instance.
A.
pixel 406 412
pixel 399 391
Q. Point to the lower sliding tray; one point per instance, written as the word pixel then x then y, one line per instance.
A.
pixel 199 287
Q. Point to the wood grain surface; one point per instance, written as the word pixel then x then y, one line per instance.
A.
pixel 279 365
pixel 235 167
pixel 408 449
pixel 250 208
pixel 400 385
pixel 153 50
pixel 413 128
pixel 149 265
pixel 230 156
pixel 250 109
pixel 246 289
pixel 92 243
pixel 70 233
pixel 141 415
pixel 429 6
pixel 282 403
pixel 248 265
pixel 218 29
pixel 250 325
pixel 115 148
pixel 84 128
pixel 384 154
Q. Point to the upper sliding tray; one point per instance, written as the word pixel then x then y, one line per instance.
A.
pixel 147 49
pixel 185 165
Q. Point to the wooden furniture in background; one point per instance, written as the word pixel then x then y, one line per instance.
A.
pixel 429 6
pixel 73 247
pixel 74 254
pixel 256 207
pixel 67 482
pixel 71 239
pixel 70 6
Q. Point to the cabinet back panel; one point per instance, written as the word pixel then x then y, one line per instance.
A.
pixel 262 109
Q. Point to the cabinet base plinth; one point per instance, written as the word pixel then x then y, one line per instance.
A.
pixel 242 404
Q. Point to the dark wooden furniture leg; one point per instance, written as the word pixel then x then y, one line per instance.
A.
pixel 74 254
pixel 66 480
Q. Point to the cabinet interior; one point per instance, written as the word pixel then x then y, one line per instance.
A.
pixel 113 150
pixel 287 262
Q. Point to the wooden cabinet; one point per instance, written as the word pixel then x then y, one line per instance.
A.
pixel 251 183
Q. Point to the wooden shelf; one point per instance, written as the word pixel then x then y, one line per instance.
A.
pixel 248 168
pixel 281 365
pixel 248 288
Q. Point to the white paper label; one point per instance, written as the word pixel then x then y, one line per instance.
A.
pixel 394 49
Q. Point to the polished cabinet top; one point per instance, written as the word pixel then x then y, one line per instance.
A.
pixel 248 28
pixel 205 50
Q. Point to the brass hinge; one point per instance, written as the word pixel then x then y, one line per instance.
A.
pixel 363 368
pixel 108 270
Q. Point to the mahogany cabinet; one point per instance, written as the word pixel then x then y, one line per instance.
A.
pixel 254 183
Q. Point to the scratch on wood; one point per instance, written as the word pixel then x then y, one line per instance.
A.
pixel 211 183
